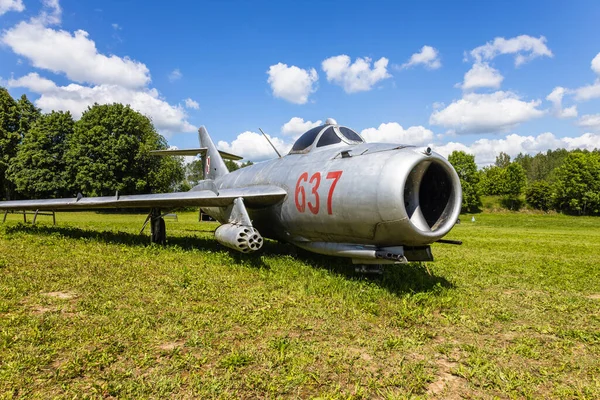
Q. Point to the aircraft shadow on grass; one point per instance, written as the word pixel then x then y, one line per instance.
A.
pixel 397 279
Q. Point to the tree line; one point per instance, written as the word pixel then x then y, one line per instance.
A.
pixel 105 151
pixel 561 180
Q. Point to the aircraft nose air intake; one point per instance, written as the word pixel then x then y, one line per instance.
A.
pixel 432 196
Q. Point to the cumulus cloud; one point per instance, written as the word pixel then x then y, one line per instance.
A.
pixel 76 99
pixel 588 92
pixel 481 75
pixel 393 132
pixel 297 126
pixel 480 113
pixel 11 5
pixel 175 75
pixel 51 13
pixel 428 57
pixel 253 146
pixel 525 48
pixel 555 97
pixel 486 150
pixel 590 121
pixel 596 64
pixel 189 103
pixel 111 78
pixel 292 83
pixel 357 76
pixel 75 55
pixel 592 91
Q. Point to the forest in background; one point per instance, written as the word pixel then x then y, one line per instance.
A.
pixel 107 150
pixel 559 180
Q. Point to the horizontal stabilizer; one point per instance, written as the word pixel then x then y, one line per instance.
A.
pixel 193 152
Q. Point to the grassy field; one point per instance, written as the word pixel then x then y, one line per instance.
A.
pixel 89 309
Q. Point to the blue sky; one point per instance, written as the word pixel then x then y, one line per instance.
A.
pixel 485 76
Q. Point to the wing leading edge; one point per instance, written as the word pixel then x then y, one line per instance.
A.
pixel 254 196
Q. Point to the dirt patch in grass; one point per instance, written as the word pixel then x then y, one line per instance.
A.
pixel 37 310
pixel 168 346
pixel 445 385
pixel 61 295
pixel 595 296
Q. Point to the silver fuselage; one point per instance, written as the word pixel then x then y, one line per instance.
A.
pixel 371 194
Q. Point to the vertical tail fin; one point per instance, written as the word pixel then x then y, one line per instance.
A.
pixel 213 164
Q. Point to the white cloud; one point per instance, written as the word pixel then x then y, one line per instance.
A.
pixel 51 13
pixel 394 133
pixel 116 27
pixel 486 150
pixel 76 99
pixel 428 56
pixel 292 83
pixel 590 91
pixel 596 64
pixel 189 103
pixel 481 75
pixel 590 121
pixel 297 126
pixel 11 5
pixel 357 76
pixel 112 78
pixel 479 113
pixel 555 97
pixel 175 75
pixel 75 55
pixel 253 146
pixel 525 48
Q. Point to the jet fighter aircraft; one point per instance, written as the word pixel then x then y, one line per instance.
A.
pixel 333 194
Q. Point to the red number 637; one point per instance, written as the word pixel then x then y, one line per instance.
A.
pixel 314 182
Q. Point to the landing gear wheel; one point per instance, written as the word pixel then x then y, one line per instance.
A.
pixel 158 228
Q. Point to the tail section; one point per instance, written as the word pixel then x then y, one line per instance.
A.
pixel 213 164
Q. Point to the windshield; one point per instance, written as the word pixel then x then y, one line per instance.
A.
pixel 350 134
pixel 306 139
pixel 328 137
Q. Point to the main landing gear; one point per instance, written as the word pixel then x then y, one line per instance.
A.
pixel 158 229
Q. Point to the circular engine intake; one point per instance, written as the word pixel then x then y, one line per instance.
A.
pixel 432 197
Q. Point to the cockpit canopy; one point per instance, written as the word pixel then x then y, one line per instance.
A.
pixel 325 135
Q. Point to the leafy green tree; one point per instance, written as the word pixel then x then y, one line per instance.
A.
pixel 465 167
pixel 109 151
pixel 231 165
pixel 28 114
pixel 9 138
pixel 493 181
pixel 539 195
pixel 542 165
pixel 502 160
pixel 516 180
pixel 38 169
pixel 194 172
pixel 578 183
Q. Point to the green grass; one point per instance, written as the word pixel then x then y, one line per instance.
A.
pixel 89 309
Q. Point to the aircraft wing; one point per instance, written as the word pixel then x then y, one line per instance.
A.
pixel 254 196
pixel 193 152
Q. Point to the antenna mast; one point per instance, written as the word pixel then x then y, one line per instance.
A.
pixel 268 140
